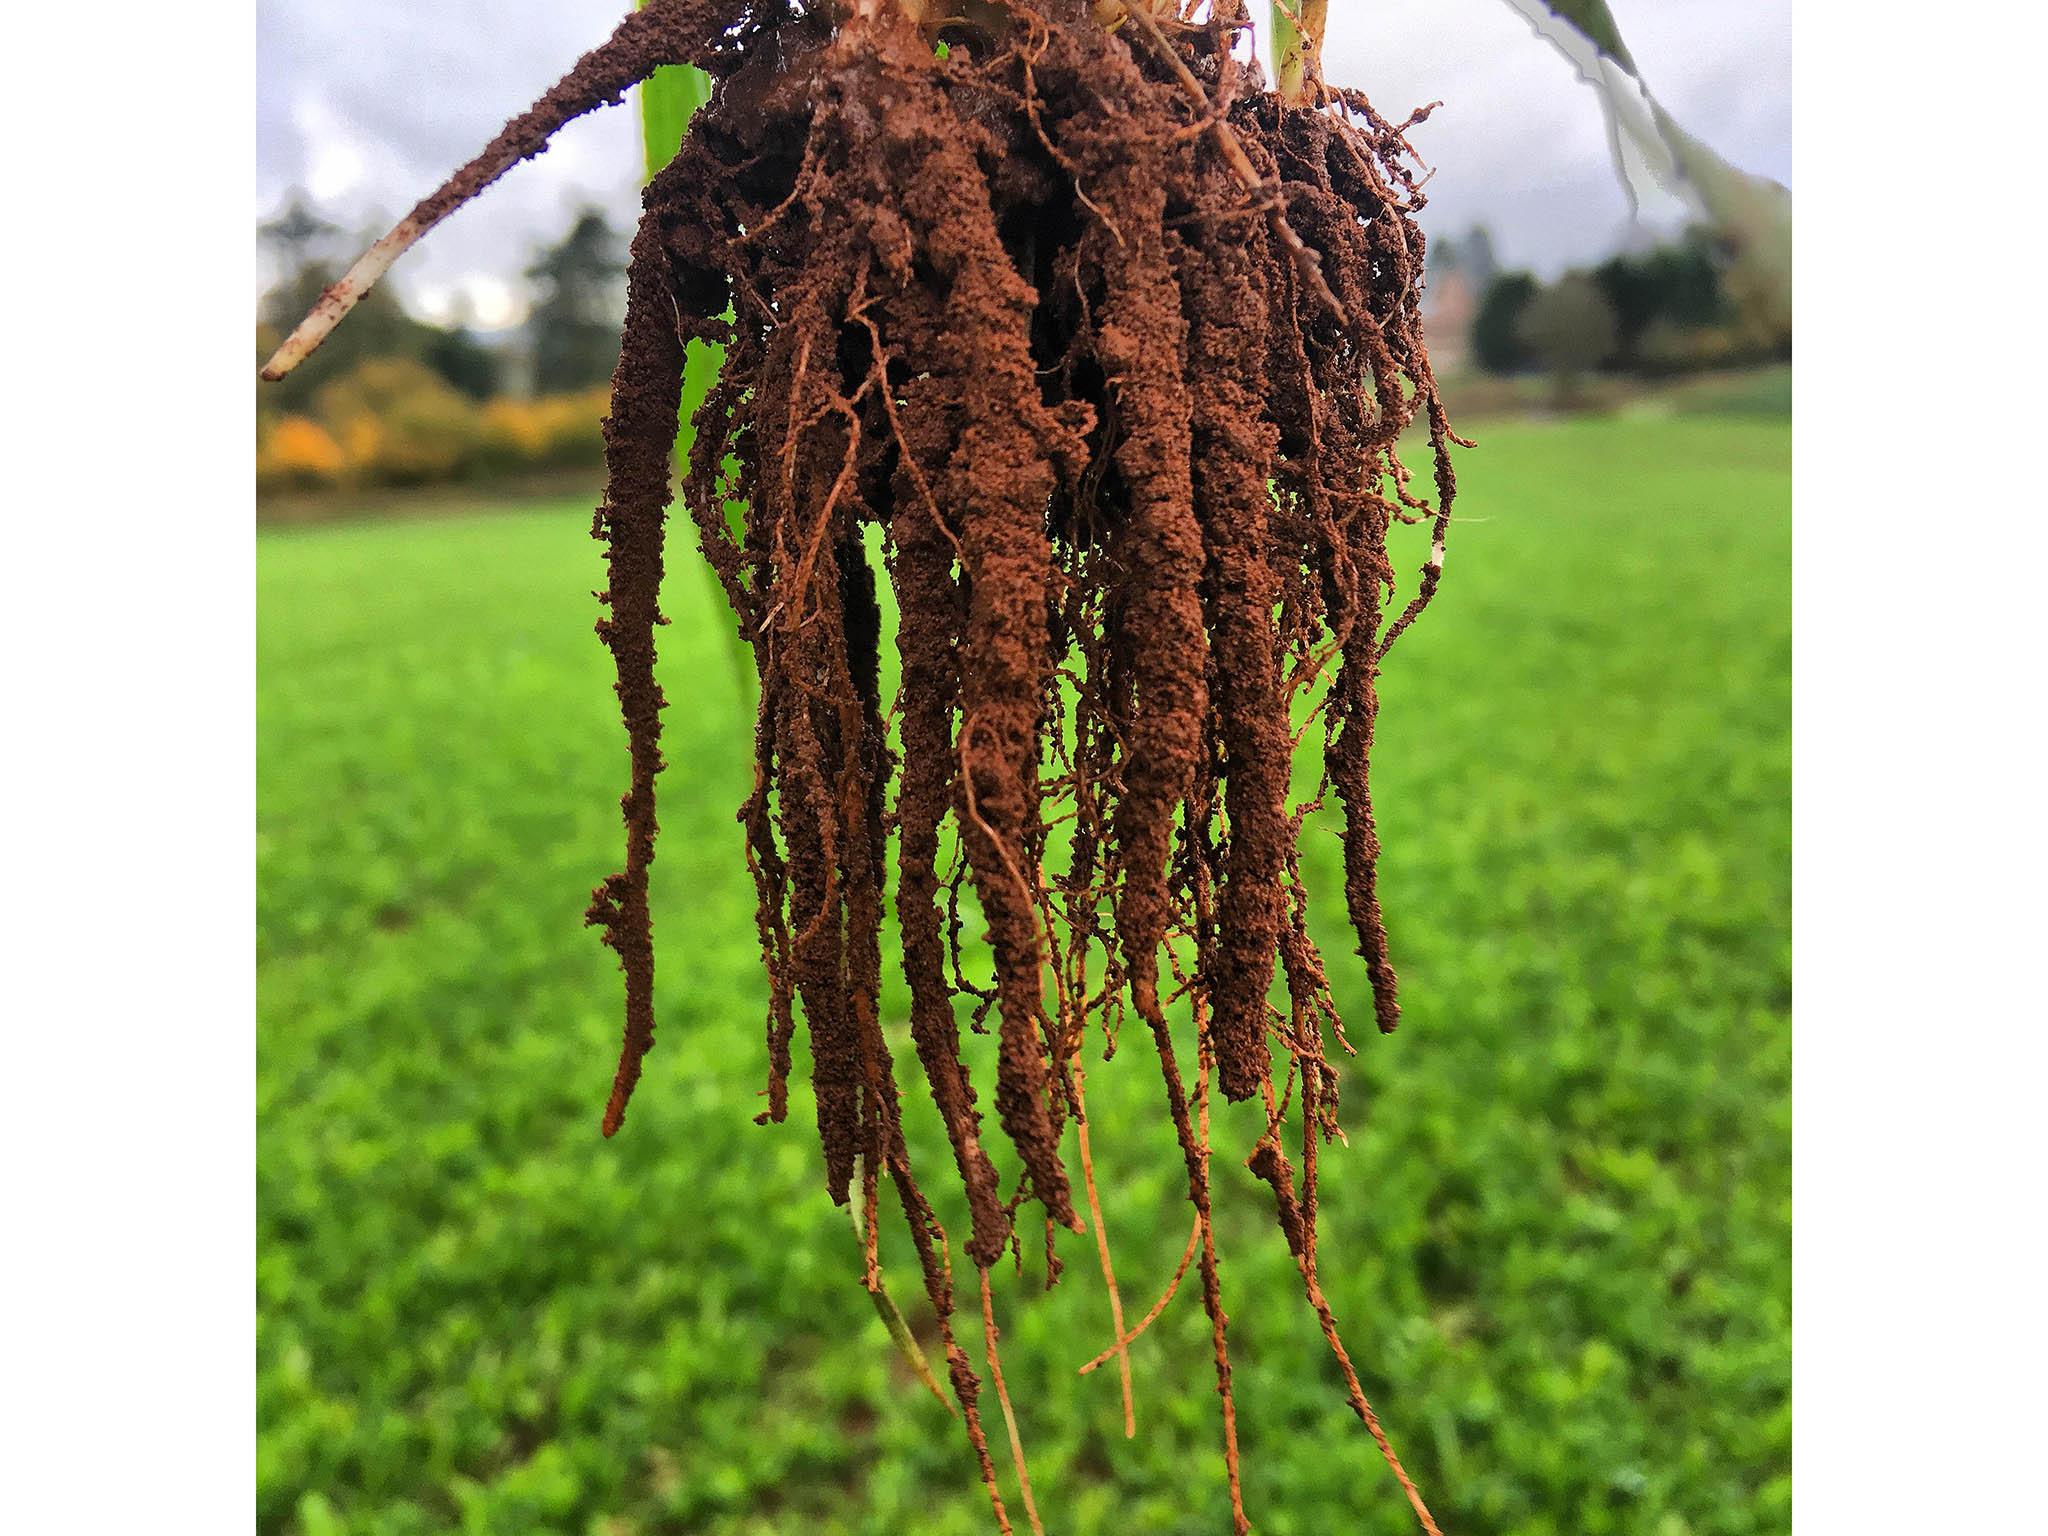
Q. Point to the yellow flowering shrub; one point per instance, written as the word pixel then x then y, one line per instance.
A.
pixel 297 453
pixel 550 431
pixel 400 423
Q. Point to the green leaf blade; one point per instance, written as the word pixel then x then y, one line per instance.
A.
pixel 668 100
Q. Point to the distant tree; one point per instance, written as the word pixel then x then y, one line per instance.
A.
pixel 579 301
pixel 464 362
pixel 1472 256
pixel 1570 329
pixel 305 248
pixel 1759 300
pixel 1675 287
pixel 1496 328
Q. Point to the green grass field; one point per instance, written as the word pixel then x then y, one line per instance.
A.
pixel 1559 1240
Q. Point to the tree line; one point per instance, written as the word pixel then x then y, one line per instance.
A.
pixel 393 398
pixel 1681 307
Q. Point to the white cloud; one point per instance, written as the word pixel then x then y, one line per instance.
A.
pixel 336 169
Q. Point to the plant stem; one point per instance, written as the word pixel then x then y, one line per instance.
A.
pixel 1298 30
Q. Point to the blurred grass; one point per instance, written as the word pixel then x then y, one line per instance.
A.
pixel 1559 1240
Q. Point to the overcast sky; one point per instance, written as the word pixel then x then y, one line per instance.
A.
pixel 367 105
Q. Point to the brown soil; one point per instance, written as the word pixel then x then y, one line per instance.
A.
pixel 1107 350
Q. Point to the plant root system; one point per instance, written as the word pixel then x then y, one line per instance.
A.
pixel 1097 353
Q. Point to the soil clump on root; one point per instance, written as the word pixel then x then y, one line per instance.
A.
pixel 1106 349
